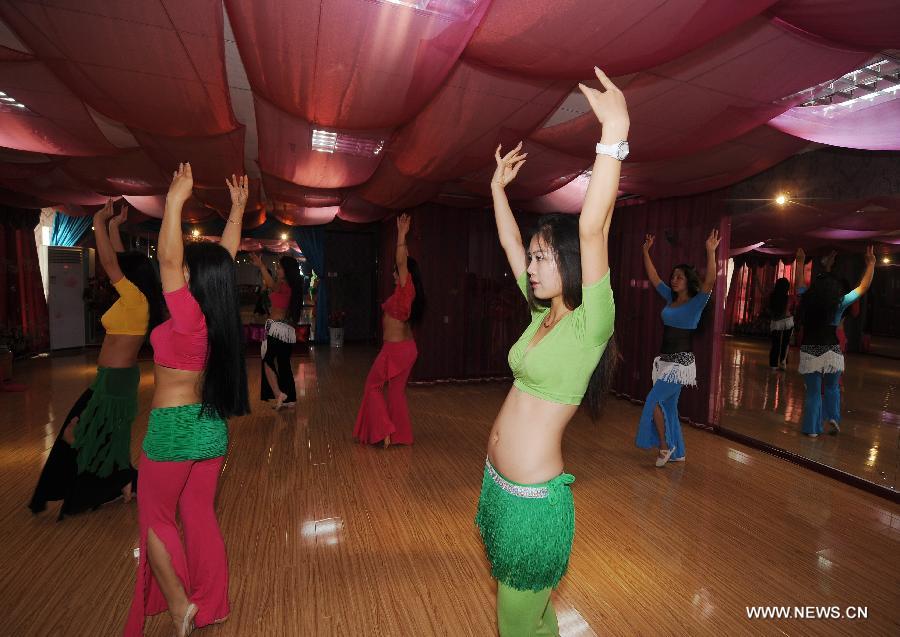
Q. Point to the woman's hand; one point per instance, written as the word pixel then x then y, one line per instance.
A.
pixel 609 107
pixel 648 242
pixel 120 218
pixel 507 166
pixel 182 184
pixel 870 256
pixel 239 190
pixel 801 255
pixel 255 260
pixel 403 222
pixel 712 241
pixel 105 213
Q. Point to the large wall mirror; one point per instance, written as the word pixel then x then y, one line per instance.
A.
pixel 764 395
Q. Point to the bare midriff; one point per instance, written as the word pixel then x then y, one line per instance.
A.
pixel 277 313
pixel 119 351
pixel 525 444
pixel 176 387
pixel 395 331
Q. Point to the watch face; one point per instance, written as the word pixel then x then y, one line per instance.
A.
pixel 622 151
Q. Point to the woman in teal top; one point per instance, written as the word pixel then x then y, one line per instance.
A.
pixel 526 512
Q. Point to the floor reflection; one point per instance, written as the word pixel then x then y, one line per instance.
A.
pixel 768 406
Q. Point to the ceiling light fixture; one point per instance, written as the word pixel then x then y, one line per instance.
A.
pixel 325 141
pixel 781 199
pixel 449 8
pixel 879 76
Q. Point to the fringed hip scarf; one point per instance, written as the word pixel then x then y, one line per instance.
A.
pixel 527 530
pixel 679 368
pixel 284 332
pixel 827 359
pixel 176 434
pixel 103 432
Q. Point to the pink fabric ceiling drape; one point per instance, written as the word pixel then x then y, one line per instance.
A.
pixel 411 98
pixel 874 126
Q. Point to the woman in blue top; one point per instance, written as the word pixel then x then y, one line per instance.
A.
pixel 821 358
pixel 685 297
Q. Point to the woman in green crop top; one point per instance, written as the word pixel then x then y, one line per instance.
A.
pixel 526 513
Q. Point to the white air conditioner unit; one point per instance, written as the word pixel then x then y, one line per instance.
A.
pixel 68 278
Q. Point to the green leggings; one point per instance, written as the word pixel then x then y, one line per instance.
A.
pixel 525 613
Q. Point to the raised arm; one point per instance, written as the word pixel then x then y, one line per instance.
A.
pixel 652 274
pixel 507 229
pixel 402 252
pixel 105 251
pixel 799 267
pixel 114 225
pixel 600 199
pixel 239 190
pixel 268 281
pixel 171 242
pixel 712 265
pixel 867 276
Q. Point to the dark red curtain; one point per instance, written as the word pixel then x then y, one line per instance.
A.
pixel 681 227
pixel 475 311
pixel 23 309
pixel 752 281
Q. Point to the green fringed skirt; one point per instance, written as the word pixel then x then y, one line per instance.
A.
pixel 103 433
pixel 176 434
pixel 527 530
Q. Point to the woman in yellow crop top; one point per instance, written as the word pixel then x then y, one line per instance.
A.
pixel 526 512
pixel 90 462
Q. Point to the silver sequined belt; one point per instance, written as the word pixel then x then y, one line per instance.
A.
pixel 517 490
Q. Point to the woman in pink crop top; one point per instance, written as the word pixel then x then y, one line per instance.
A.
pixel 526 511
pixel 200 382
pixel 386 420
pixel 90 462
pixel 286 295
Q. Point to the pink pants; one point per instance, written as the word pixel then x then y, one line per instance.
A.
pixel 200 561
pixel 378 417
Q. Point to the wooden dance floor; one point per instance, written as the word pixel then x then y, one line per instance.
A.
pixel 329 538
pixel 768 406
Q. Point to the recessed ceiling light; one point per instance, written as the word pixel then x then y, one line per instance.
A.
pixel 8 99
pixel 325 141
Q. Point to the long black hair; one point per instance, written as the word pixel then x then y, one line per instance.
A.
pixel 821 301
pixel 295 282
pixel 213 282
pixel 692 276
pixel 417 311
pixel 138 268
pixel 560 233
pixel 778 299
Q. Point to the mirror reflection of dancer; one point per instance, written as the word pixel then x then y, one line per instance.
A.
pixel 526 513
pixel 90 462
pixel 387 421
pixel 286 298
pixel 822 306
pixel 781 324
pixel 201 381
pixel 675 367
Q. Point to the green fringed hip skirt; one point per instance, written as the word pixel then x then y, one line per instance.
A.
pixel 527 530
pixel 177 434
pixel 103 433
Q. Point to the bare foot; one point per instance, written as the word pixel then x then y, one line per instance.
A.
pixel 127 493
pixel 387 441
pixel 279 403
pixel 69 433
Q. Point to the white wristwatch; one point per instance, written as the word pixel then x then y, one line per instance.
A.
pixel 616 151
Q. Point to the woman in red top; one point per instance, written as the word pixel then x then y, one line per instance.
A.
pixel 286 295
pixel 381 420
